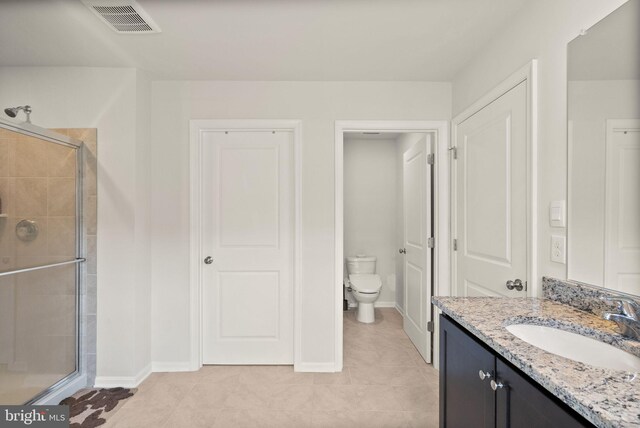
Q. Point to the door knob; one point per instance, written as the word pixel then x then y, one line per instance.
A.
pixel 403 251
pixel 208 260
pixel 484 375
pixel 517 284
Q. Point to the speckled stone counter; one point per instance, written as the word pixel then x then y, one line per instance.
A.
pixel 607 398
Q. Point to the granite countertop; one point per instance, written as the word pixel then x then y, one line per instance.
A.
pixel 607 398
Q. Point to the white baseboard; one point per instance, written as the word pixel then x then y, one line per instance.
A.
pixel 384 304
pixel 123 381
pixel 171 366
pixel 315 367
pixel 400 310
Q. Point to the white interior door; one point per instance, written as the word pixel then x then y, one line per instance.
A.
pixel 622 230
pixel 417 254
pixel 491 198
pixel 247 293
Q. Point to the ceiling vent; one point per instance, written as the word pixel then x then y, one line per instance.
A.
pixel 123 16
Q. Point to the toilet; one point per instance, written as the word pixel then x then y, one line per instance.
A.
pixel 364 284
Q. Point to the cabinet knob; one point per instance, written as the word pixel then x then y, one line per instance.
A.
pixel 208 260
pixel 495 385
pixel 484 375
pixel 403 251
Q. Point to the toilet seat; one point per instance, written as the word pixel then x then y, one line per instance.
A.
pixel 365 283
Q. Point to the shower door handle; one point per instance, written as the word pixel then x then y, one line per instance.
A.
pixel 208 260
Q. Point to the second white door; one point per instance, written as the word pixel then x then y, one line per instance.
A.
pixel 417 254
pixel 247 292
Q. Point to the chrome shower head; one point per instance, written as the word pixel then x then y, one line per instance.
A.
pixel 13 111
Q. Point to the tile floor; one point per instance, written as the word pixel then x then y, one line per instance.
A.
pixel 385 383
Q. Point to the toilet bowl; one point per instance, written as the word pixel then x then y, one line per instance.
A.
pixel 365 285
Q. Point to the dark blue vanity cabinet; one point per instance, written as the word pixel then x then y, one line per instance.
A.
pixel 480 389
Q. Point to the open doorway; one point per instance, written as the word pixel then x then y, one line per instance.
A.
pixel 386 234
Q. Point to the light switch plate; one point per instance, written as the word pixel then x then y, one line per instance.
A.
pixel 557 214
pixel 558 249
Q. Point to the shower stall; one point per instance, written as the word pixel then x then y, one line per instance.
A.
pixel 41 263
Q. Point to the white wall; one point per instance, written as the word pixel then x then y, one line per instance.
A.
pixel 142 153
pixel 540 30
pixel 370 207
pixel 591 104
pixel 318 105
pixel 106 99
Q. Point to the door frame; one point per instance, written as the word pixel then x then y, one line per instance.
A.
pixel 196 127
pixel 527 74
pixel 440 206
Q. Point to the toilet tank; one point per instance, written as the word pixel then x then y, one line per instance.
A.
pixel 361 264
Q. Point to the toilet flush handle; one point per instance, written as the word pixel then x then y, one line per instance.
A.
pixel 403 251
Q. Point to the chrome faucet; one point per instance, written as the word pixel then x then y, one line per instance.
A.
pixel 627 316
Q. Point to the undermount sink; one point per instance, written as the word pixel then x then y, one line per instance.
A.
pixel 575 347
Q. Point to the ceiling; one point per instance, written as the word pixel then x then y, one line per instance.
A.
pixel 401 40
pixel 610 50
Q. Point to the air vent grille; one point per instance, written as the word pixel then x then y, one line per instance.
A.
pixel 123 16
pixel 114 9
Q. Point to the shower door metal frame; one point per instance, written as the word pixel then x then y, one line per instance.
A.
pixel 56 138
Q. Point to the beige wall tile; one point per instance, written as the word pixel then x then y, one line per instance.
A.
pixel 61 197
pixel 49 282
pixel 62 161
pixel 6 163
pixel 63 131
pixel 90 173
pixel 7 196
pixel 87 135
pixel 30 197
pixel 91 215
pixel 91 254
pixel 31 157
pixel 62 237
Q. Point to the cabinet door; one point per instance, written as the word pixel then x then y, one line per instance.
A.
pixel 521 404
pixel 465 399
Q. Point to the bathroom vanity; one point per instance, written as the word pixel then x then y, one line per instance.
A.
pixel 480 388
pixel 491 378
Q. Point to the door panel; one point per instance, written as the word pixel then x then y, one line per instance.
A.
pixel 248 318
pixel 247 229
pixel 622 230
pixel 248 199
pixel 417 259
pixel 491 197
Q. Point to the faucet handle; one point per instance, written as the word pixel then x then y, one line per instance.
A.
pixel 625 306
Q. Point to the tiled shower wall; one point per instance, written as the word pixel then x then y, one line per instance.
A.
pixel 90 228
pixel 37 317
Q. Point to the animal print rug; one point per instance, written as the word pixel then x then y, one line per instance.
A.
pixel 89 408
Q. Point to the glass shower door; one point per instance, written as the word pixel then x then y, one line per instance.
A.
pixel 39 264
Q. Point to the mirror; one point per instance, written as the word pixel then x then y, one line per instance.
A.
pixel 604 153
